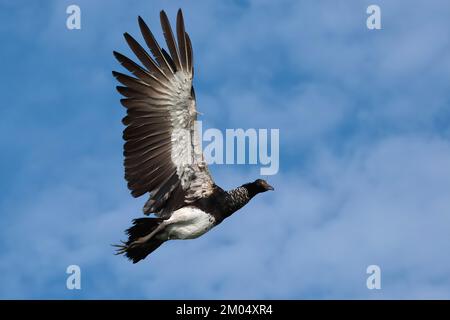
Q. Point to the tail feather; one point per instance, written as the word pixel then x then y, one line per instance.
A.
pixel 140 228
pixel 139 252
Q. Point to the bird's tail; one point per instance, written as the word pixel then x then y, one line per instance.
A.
pixel 141 227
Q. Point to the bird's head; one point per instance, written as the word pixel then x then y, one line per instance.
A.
pixel 261 185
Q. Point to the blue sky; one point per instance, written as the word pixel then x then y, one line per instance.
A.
pixel 364 119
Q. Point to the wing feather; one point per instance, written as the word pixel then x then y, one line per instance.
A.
pixel 170 40
pixel 190 54
pixel 154 47
pixel 138 71
pixel 161 150
pixel 143 56
pixel 181 34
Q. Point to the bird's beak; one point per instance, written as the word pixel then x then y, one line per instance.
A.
pixel 269 187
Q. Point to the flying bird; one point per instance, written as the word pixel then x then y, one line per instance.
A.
pixel 162 150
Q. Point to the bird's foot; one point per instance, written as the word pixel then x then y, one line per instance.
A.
pixel 121 248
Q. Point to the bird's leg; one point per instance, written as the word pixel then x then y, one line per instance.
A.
pixel 144 239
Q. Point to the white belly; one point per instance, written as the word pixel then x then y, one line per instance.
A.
pixel 187 223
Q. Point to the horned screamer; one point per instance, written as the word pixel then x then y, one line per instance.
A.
pixel 163 157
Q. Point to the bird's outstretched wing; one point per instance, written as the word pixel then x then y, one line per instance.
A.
pixel 162 149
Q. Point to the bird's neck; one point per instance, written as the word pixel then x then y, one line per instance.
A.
pixel 238 197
